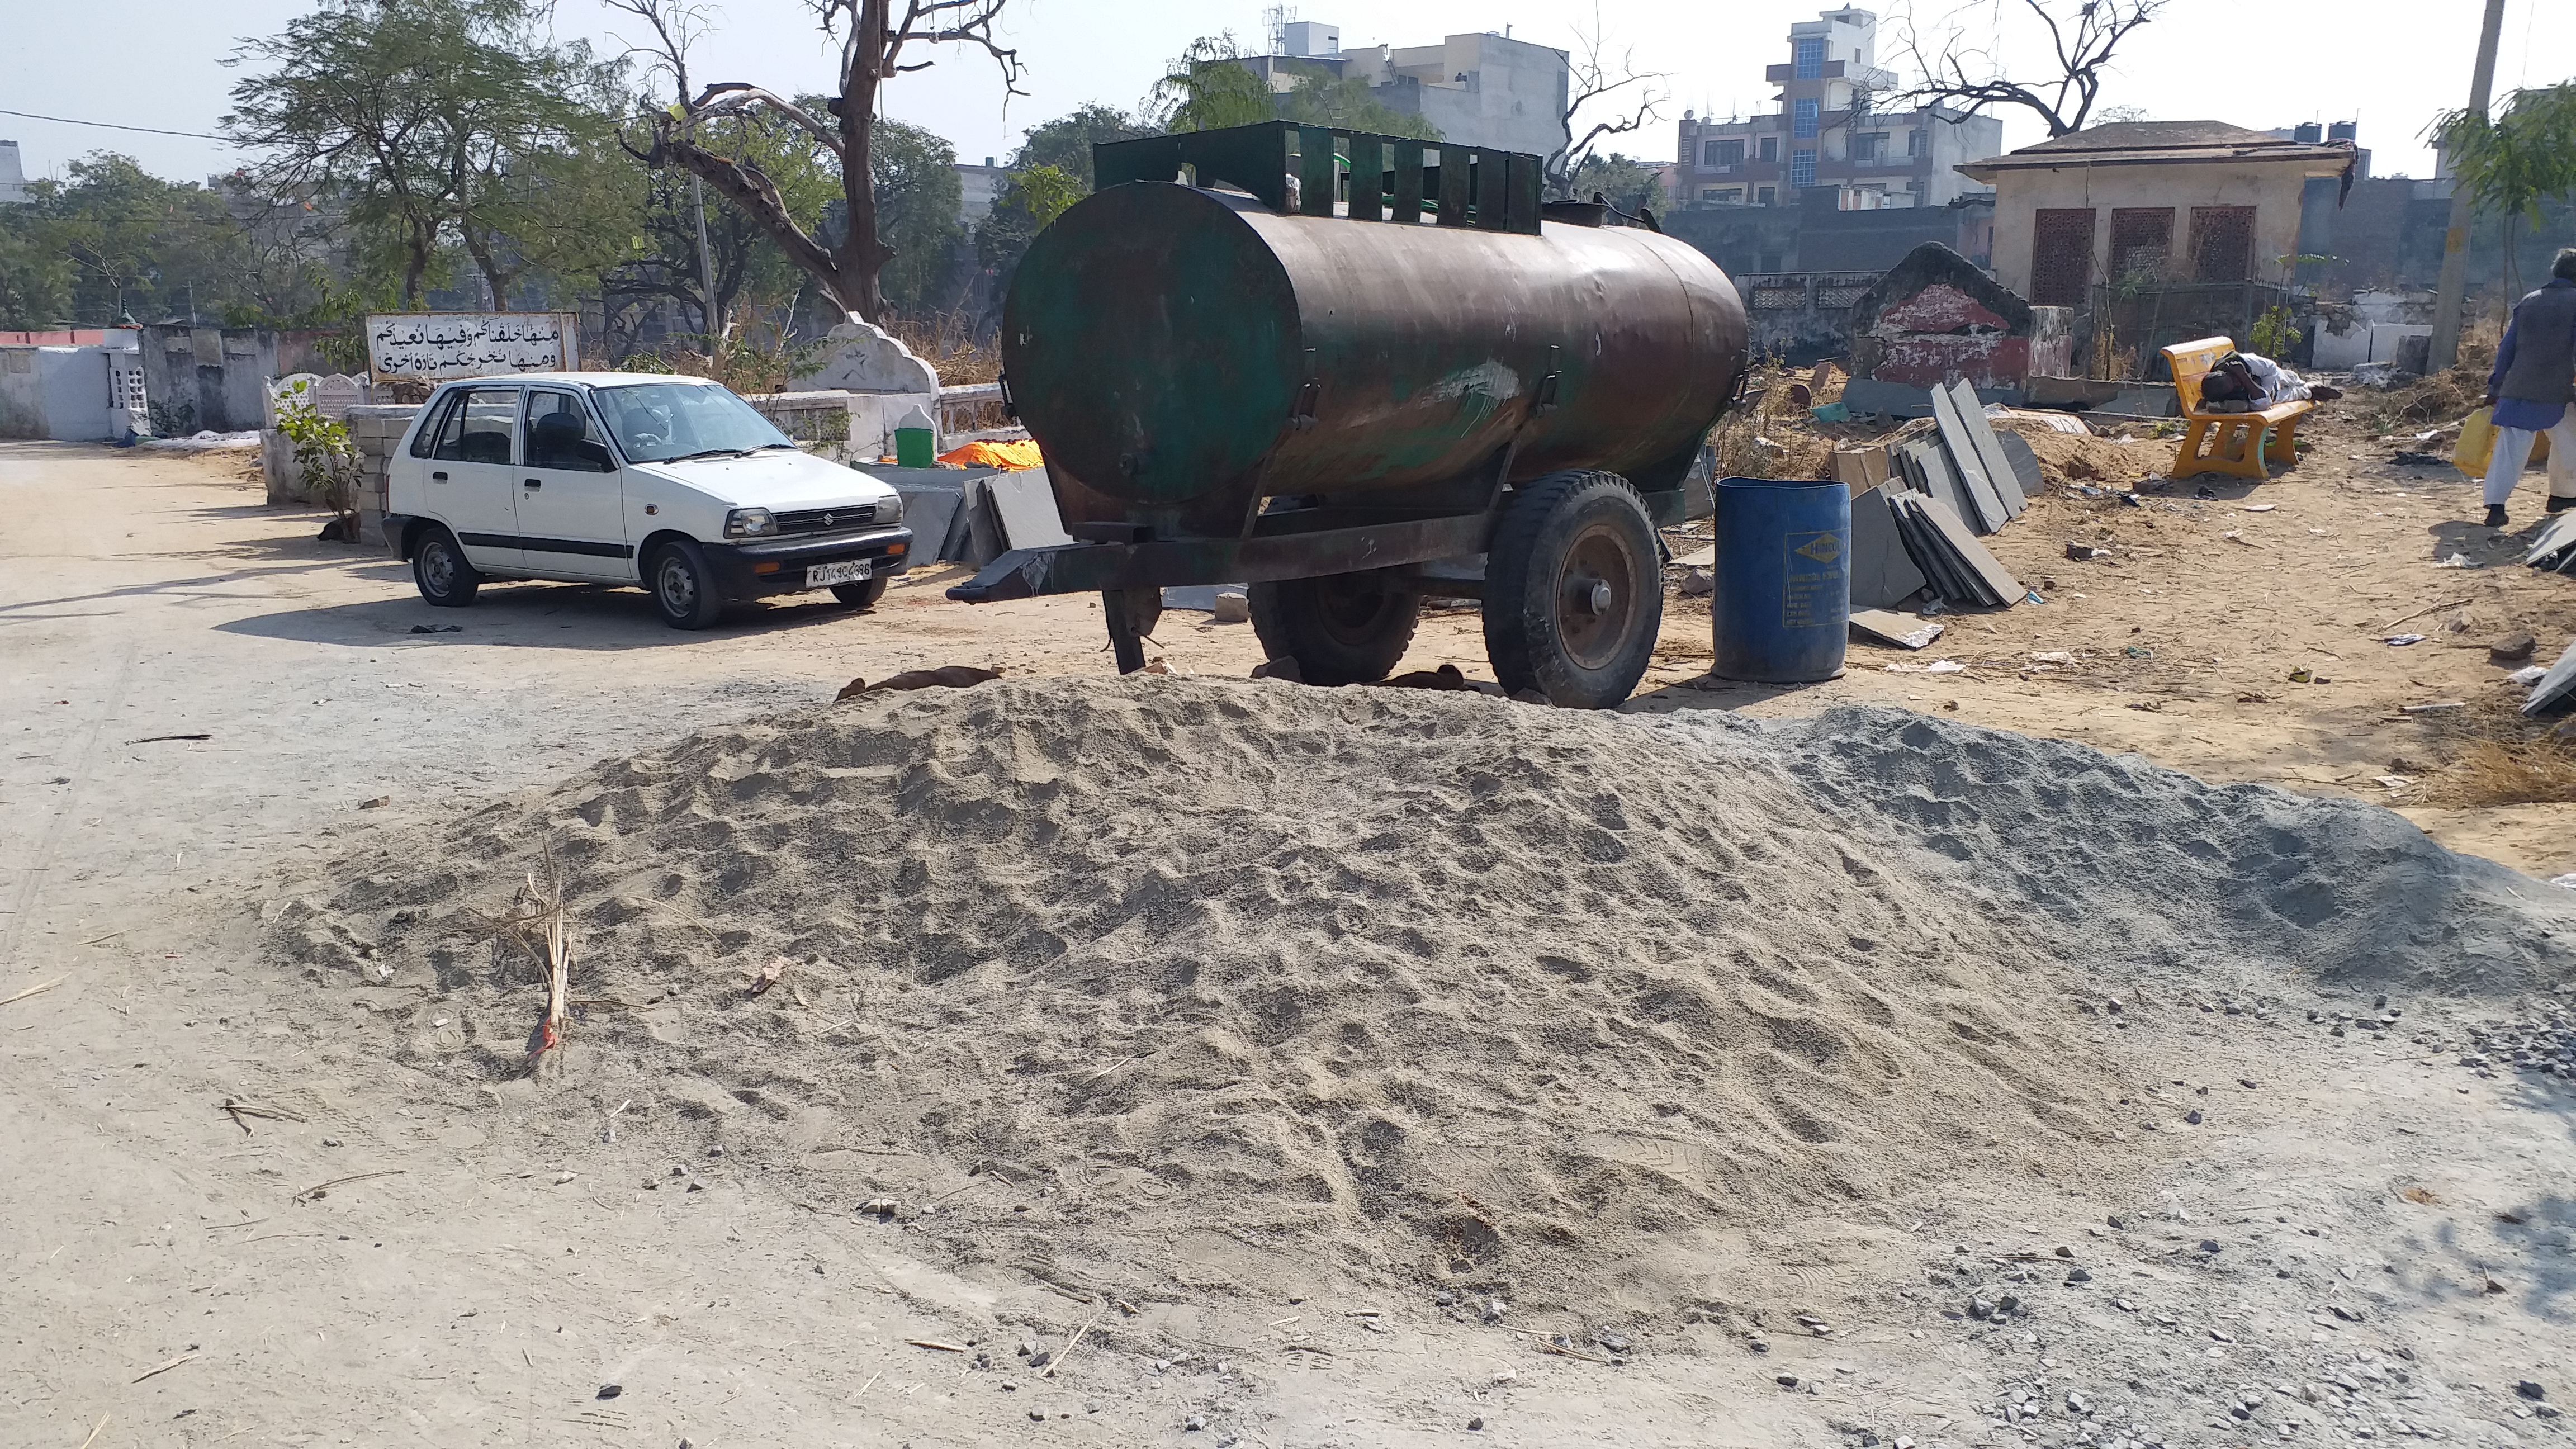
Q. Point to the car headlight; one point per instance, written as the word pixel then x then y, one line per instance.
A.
pixel 750 523
pixel 890 509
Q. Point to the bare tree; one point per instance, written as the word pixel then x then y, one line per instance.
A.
pixel 873 35
pixel 2082 35
pixel 1593 78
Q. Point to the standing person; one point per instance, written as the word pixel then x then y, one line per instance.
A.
pixel 2533 382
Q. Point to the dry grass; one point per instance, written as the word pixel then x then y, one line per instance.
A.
pixel 2489 772
pixel 943 342
pixel 1774 438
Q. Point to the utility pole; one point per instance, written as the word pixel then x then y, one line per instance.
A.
pixel 2451 301
pixel 707 258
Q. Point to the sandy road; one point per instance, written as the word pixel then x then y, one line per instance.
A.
pixel 169 1277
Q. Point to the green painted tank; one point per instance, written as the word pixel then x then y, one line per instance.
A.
pixel 1182 354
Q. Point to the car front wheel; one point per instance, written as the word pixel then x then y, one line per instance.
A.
pixel 863 594
pixel 683 586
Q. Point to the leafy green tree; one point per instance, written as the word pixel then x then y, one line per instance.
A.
pixel 1048 173
pixel 115 240
pixel 436 123
pixel 1629 185
pixel 35 280
pixel 1320 98
pixel 2512 163
pixel 917 198
pixel 1208 88
pixel 1064 144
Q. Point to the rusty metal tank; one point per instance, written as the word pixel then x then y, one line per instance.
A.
pixel 1183 353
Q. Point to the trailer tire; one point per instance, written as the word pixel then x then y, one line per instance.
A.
pixel 1340 628
pixel 1574 590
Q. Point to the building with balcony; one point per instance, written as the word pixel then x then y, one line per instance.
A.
pixel 1830 132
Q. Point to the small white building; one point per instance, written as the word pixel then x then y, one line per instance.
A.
pixel 85 393
pixel 1476 90
pixel 13 178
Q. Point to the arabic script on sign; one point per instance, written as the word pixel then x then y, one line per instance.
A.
pixel 469 344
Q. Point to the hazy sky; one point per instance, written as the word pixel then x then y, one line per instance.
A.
pixel 2390 64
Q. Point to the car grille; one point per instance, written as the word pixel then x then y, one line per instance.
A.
pixel 827 520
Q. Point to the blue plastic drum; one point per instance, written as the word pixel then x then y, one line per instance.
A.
pixel 1782 610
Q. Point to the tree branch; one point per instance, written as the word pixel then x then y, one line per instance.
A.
pixel 2082 43
pixel 1591 79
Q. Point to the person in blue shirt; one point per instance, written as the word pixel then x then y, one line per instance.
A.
pixel 2533 382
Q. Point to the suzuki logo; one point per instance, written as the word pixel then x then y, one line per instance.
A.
pixel 827 520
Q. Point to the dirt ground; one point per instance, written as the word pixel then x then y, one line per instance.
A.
pixel 200 701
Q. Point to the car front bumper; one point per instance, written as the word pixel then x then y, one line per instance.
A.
pixel 777 566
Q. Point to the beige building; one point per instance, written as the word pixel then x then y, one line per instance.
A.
pixel 2151 203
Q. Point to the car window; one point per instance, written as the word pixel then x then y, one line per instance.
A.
pixel 654 422
pixel 441 410
pixel 478 430
pixel 561 435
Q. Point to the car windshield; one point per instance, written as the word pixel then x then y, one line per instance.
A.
pixel 656 422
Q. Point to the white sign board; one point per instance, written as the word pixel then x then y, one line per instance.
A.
pixel 440 345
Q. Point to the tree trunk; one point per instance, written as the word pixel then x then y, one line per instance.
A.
pixel 861 256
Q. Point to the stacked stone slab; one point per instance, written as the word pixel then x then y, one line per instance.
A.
pixel 375 429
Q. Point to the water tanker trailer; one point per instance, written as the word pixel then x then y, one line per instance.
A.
pixel 1346 370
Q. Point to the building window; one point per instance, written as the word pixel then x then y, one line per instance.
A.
pixel 1722 195
pixel 1869 146
pixel 1810 55
pixel 1766 196
pixel 1916 143
pixel 2222 243
pixel 1802 169
pixel 1802 118
pixel 1723 153
pixel 2141 242
pixel 1770 148
pixel 2061 256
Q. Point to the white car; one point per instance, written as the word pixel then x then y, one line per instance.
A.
pixel 673 483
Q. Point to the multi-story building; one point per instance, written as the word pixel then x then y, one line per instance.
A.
pixel 1829 132
pixel 1476 90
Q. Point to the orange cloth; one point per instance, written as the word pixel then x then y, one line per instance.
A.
pixel 1020 454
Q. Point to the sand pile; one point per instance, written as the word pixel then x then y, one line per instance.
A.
pixel 1399 978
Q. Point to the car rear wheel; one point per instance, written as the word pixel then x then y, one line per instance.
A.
pixel 683 586
pixel 439 568
pixel 863 594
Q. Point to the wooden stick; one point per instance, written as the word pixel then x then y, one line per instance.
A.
pixel 1073 1343
pixel 2420 613
pixel 94 1432
pixel 319 1188
pixel 165 1368
pixel 934 1343
pixel 40 986
pixel 110 936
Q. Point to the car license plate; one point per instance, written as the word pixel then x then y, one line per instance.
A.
pixel 849 571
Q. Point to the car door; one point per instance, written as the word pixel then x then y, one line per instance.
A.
pixel 571 499
pixel 471 486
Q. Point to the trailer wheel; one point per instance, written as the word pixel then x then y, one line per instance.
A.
pixel 1574 590
pixel 1341 628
